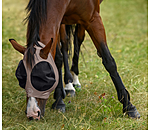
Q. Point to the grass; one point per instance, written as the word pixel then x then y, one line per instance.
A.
pixel 126 29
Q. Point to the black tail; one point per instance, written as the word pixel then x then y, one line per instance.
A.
pixel 37 14
pixel 70 33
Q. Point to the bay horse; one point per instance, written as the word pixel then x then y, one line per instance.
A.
pixel 44 21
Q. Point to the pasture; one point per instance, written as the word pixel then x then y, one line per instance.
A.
pixel 126 28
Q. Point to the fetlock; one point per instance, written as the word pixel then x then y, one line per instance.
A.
pixel 125 99
pixel 59 92
pixel 59 105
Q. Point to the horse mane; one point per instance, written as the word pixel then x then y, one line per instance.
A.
pixel 37 15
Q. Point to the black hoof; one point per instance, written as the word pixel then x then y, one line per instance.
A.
pixel 133 113
pixel 77 86
pixel 70 93
pixel 59 105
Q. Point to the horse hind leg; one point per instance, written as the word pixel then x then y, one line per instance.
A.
pixel 97 33
pixel 78 39
pixel 68 79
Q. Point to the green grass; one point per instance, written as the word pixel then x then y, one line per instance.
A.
pixel 126 26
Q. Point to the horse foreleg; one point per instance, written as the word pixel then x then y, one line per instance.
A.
pixel 97 33
pixel 59 93
pixel 78 39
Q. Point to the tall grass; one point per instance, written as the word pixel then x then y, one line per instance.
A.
pixel 125 22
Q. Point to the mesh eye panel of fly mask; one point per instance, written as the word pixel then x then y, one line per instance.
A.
pixel 40 80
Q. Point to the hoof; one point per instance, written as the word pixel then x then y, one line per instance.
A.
pixel 77 86
pixel 133 113
pixel 59 105
pixel 70 93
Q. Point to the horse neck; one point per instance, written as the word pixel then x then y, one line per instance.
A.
pixel 50 29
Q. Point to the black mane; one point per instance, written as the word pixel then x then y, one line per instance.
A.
pixel 37 14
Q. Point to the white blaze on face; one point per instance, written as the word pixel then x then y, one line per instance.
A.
pixel 33 109
pixel 75 79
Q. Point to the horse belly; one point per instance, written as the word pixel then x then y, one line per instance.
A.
pixel 79 11
pixel 71 19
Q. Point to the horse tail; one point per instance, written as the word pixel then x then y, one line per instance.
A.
pixel 37 15
pixel 70 33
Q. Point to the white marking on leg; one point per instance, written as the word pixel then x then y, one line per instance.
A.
pixel 75 79
pixel 69 86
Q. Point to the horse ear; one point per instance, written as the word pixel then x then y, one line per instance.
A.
pixel 45 51
pixel 18 47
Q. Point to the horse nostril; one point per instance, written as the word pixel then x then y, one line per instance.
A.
pixel 26 111
pixel 39 113
pixel 30 118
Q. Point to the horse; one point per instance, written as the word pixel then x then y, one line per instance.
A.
pixel 44 21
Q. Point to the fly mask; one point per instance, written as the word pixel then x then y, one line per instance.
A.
pixel 40 79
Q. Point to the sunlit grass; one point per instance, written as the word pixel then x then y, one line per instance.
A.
pixel 126 29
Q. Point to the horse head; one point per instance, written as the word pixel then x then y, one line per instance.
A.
pixel 39 80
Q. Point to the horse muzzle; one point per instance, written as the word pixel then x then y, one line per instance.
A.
pixel 33 110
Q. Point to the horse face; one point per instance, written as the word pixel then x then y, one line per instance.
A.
pixel 39 80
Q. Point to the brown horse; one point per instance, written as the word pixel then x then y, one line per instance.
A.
pixel 44 20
